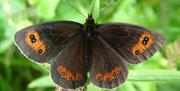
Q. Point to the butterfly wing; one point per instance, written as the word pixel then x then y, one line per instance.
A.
pixel 61 43
pixel 133 43
pixel 108 69
pixel 68 69
pixel 42 42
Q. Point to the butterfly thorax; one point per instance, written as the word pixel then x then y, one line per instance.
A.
pixel 89 27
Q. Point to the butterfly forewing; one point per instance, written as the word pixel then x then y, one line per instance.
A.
pixel 43 41
pixel 135 44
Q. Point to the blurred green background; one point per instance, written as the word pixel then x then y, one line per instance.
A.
pixel 159 73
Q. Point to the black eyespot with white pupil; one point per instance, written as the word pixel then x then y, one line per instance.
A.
pixel 33 39
pixel 98 78
pixel 137 52
pixel 63 74
pixel 107 79
pixel 145 41
pixel 40 51
pixel 114 74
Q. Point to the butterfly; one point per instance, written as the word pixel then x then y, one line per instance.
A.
pixel 74 49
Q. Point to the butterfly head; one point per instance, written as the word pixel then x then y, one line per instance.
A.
pixel 90 19
pixel 89 27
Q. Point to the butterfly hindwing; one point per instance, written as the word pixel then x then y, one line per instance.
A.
pixel 135 44
pixel 68 69
pixel 43 41
pixel 108 69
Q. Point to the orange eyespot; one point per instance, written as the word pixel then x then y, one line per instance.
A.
pixel 32 39
pixel 107 77
pixel 79 76
pixel 70 76
pixel 62 71
pixel 115 72
pixel 99 76
pixel 145 41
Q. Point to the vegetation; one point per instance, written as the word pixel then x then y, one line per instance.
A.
pixel 159 73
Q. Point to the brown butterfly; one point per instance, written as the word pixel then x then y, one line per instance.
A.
pixel 75 49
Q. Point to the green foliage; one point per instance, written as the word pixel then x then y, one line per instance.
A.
pixel 44 9
pixel 159 73
pixel 95 8
pixel 44 81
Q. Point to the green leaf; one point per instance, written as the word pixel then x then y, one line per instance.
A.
pixel 95 8
pixel 126 86
pixel 45 9
pixel 44 81
pixel 33 2
pixel 154 75
pixel 140 75
pixel 92 87
pixel 144 86
pixel 157 61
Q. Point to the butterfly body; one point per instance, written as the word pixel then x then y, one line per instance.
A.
pixel 73 50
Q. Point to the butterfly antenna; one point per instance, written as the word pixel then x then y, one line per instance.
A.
pixel 66 2
pixel 111 2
